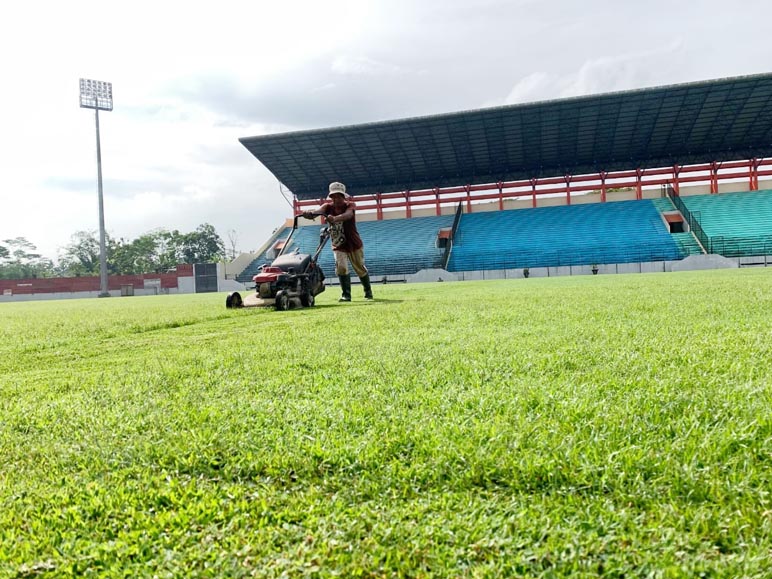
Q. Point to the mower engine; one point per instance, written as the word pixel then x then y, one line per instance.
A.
pixel 292 280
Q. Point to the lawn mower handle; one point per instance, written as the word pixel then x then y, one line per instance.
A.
pixel 294 228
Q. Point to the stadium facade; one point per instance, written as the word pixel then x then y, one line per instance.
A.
pixel 657 146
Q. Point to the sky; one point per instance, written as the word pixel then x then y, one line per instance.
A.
pixel 190 78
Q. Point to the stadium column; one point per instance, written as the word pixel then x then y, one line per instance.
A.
pixel 468 189
pixel 534 182
pixel 568 188
pixel 713 178
pixel 437 201
pixel 754 174
pixel 500 185
pixel 676 185
pixel 408 209
pixel 603 186
pixel 378 206
pixel 638 186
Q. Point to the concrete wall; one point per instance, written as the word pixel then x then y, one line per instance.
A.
pixel 653 267
pixel 558 271
pixel 585 199
pixel 186 285
pixel 694 262
pixel 235 267
pixel 230 285
pixel 756 261
pixel 520 203
pixel 696 190
pixel 85 294
pixel 427 275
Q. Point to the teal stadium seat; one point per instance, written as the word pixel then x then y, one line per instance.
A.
pixel 737 224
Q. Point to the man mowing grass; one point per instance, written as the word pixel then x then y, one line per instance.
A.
pixel 346 243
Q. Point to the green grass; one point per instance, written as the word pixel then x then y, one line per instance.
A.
pixel 615 425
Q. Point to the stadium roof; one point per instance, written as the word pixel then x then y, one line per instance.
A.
pixel 717 120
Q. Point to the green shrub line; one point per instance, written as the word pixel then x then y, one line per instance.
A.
pixel 542 427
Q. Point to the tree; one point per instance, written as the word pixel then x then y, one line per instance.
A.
pixel 154 252
pixel 81 256
pixel 202 245
pixel 170 249
pixel 233 238
pixel 135 257
pixel 19 260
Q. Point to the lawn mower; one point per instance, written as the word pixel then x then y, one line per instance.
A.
pixel 292 280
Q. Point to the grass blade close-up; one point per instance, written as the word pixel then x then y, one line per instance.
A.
pixel 613 425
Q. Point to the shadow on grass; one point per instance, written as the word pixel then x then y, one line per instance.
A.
pixel 357 303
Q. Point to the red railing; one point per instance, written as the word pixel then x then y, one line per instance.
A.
pixel 635 179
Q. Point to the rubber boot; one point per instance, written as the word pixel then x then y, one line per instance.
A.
pixel 365 279
pixel 345 286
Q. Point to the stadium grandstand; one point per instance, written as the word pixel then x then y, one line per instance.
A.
pixel 646 177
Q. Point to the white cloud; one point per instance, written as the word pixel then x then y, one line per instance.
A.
pixel 361 65
pixel 534 87
pixel 599 75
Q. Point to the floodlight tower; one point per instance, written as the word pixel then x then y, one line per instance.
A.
pixel 98 95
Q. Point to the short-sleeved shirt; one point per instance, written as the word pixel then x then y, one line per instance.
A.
pixel 344 234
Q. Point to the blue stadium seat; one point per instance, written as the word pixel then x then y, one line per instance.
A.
pixel 595 233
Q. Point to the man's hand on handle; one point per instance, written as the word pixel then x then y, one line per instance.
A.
pixel 329 219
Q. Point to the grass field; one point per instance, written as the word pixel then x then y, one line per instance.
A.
pixel 615 425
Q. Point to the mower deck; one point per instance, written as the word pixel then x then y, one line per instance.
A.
pixel 255 301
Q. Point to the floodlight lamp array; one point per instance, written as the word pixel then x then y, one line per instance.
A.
pixel 96 94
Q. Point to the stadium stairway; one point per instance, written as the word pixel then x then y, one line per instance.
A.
pixel 686 242
pixel 596 233
pixel 737 224
pixel 251 270
pixel 664 204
